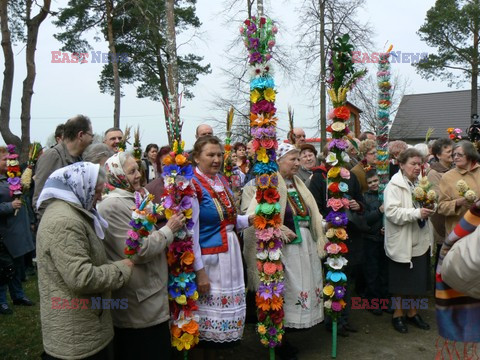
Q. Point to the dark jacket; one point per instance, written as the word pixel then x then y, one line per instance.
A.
pixel 373 216
pixel 318 187
pixel 15 230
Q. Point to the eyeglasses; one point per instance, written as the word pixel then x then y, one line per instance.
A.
pixel 458 155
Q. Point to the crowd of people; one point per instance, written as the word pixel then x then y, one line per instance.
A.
pixel 79 212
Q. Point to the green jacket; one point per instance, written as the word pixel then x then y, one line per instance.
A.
pixel 73 272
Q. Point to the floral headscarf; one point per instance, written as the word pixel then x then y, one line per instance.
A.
pixel 284 149
pixel 116 177
pixel 75 183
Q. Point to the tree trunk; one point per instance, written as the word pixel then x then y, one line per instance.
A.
pixel 8 73
pixel 113 52
pixel 33 25
pixel 172 69
pixel 163 90
pixel 474 91
pixel 323 75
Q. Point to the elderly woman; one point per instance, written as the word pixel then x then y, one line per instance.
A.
pixel 368 153
pixel 142 331
pixel 97 153
pixel 308 160
pixel 218 258
pixel 442 152
pixel 450 203
pixel 74 274
pixel 304 241
pixel 407 240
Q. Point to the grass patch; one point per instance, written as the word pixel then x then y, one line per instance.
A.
pixel 20 333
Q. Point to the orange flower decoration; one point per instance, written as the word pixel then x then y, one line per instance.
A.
pixel 167 160
pixel 259 222
pixel 276 220
pixel 341 233
pixel 271 195
pixel 170 258
pixel 342 112
pixel 228 147
pixel 180 160
pixel 277 303
pixel 187 258
pixel 262 303
pixel 191 328
pixel 176 331
pixel 269 268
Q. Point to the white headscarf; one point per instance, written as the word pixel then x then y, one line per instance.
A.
pixel 284 149
pixel 75 183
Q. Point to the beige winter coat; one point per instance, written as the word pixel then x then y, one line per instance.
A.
pixel 249 238
pixel 72 264
pixel 147 290
pixel 404 238
pixel 448 194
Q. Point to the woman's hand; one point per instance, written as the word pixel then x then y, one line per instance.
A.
pixel 176 222
pixel 128 262
pixel 290 235
pixel 461 202
pixel 426 213
pixel 16 204
pixel 381 208
pixel 203 282
pixel 353 205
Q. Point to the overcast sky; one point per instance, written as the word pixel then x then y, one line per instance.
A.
pixel 63 90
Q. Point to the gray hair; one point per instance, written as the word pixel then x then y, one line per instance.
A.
pixel 469 150
pixel 102 176
pixel 95 153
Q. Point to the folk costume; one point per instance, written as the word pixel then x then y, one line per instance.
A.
pixel 303 304
pixel 217 249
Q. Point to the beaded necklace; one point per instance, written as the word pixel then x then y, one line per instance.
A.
pixel 222 199
pixel 295 200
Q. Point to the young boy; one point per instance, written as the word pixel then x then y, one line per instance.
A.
pixel 375 267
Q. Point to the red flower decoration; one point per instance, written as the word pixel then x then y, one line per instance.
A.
pixel 344 248
pixel 342 112
pixel 247 22
pixel 333 187
pixel 271 195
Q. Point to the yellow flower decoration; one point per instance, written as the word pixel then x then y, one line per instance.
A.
pixel 269 95
pixel 343 303
pixel 168 213
pixel 175 146
pixel 261 329
pixel 328 290
pixel 188 213
pixel 194 296
pixel 338 126
pixel 182 299
pixel 255 96
pixel 333 172
pixel 279 337
pixel 186 341
pixel 264 341
pixel 330 233
pixel 262 155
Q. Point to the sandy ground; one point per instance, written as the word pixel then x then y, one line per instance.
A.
pixel 376 339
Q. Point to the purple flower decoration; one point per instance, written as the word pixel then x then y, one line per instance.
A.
pixel 14 181
pixel 252 27
pixel 336 306
pixel 185 203
pixel 190 224
pixel 339 292
pixel 272 331
pixel 265 291
pixel 255 57
pixel 135 225
pixel 338 143
pixel 254 42
pixel 11 148
pixel 272 343
pixel 337 218
pixel 277 289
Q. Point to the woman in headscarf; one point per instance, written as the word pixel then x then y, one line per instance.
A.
pixel 74 274
pixel 304 244
pixel 141 332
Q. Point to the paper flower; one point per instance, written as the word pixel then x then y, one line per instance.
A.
pixel 342 112
pixel 332 248
pixel 328 290
pixel 338 126
pixel 332 159
pixel 336 262
pixel 333 172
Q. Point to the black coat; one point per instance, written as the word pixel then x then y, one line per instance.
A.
pixel 373 216
pixel 318 187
